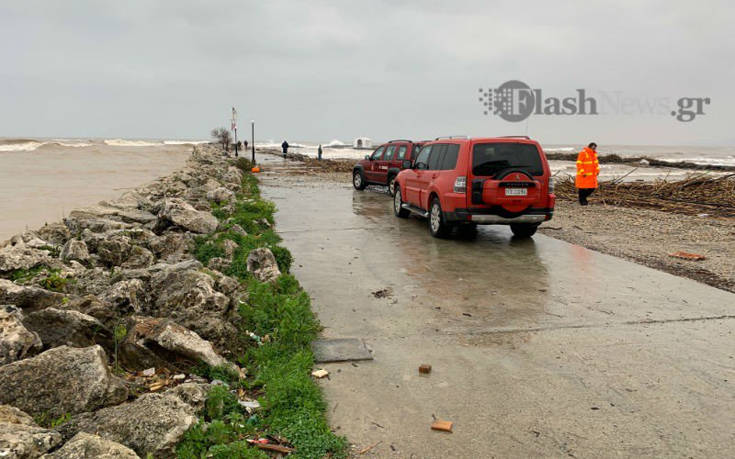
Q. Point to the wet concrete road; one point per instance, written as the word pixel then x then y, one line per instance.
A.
pixel 538 347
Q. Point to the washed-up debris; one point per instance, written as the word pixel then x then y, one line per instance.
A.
pixel 688 256
pixel 368 448
pixel 319 374
pixel 149 372
pixel 340 350
pixel 266 444
pixel 425 369
pixel 179 377
pixel 444 426
pixel 249 405
pixel 383 293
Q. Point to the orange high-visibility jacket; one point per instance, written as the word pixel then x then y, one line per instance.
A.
pixel 588 168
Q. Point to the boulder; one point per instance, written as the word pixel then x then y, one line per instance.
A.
pixel 229 246
pixel 84 445
pixel 27 297
pixel 154 423
pixel 12 415
pixel 171 246
pixel 26 439
pixel 262 264
pixel 93 306
pixel 127 296
pixel 92 281
pixel 16 341
pixel 55 233
pixel 61 380
pixel 138 257
pixel 75 249
pixel 20 256
pixel 58 327
pixel 235 228
pixel 153 342
pixel 180 213
pixel 219 264
pixel 233 176
pixel 114 250
pixel 220 194
pixel 189 298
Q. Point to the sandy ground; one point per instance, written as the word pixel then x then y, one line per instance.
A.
pixel 39 187
pixel 649 236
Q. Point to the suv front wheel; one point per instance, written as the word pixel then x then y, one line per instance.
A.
pixel 437 226
pixel 524 230
pixel 358 180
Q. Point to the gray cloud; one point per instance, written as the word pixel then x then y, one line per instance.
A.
pixel 319 70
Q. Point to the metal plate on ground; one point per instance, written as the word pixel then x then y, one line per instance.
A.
pixel 340 350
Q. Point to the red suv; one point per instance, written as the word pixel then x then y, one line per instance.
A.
pixel 461 182
pixel 384 164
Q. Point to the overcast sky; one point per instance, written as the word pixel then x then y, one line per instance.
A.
pixel 318 70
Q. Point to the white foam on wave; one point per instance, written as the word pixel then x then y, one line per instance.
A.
pixel 559 149
pixel 130 143
pixel 185 142
pixel 24 146
pixel 335 143
pixel 726 161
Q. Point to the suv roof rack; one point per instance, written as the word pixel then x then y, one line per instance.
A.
pixel 399 140
pixel 514 137
pixel 451 137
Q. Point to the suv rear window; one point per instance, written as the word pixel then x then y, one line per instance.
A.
pixel 491 158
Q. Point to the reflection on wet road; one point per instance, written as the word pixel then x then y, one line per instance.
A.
pixel 524 336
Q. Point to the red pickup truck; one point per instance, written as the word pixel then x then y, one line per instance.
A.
pixel 382 166
pixel 461 182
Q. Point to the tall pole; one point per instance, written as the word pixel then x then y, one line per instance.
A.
pixel 234 127
pixel 252 139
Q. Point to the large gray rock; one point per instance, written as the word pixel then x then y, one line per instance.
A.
pixel 220 195
pixel 138 257
pixel 84 445
pixel 75 249
pixel 127 296
pixel 154 423
pixel 262 264
pixel 172 246
pixel 190 299
pixel 21 437
pixel 61 380
pixel 180 213
pixel 114 250
pixel 56 233
pixel 29 298
pixel 154 342
pixel 16 341
pixel 21 256
pixel 58 327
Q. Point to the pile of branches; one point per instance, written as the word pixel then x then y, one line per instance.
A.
pixel 636 160
pixel 697 194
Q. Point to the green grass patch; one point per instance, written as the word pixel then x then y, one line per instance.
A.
pixel 279 367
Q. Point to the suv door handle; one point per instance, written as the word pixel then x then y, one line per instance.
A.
pixel 434 175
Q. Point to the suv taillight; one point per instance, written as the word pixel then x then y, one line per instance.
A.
pixel 551 184
pixel 460 184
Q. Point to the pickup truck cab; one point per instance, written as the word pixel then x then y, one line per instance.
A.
pixel 383 165
pixel 461 182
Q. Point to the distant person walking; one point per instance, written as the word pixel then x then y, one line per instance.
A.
pixel 284 145
pixel 319 153
pixel 245 142
pixel 588 168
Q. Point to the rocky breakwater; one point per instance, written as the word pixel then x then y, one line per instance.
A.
pixel 105 316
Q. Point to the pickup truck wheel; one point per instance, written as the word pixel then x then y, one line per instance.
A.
pixel 524 230
pixel 358 180
pixel 398 204
pixel 437 226
pixel 392 185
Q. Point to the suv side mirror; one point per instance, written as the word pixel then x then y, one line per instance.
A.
pixel 406 164
pixel 367 157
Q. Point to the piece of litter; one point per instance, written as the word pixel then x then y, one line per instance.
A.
pixel 179 377
pixel 425 369
pixel 249 405
pixel 688 256
pixel 149 372
pixel 368 448
pixel 319 374
pixel 444 426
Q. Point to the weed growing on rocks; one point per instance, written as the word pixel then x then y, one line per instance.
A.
pixel 279 361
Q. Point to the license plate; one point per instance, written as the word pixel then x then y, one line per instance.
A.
pixel 516 192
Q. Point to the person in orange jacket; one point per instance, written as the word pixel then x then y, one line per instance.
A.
pixel 588 168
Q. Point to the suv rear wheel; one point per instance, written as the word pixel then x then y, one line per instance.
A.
pixel 437 226
pixel 524 230
pixel 392 184
pixel 398 204
pixel 358 180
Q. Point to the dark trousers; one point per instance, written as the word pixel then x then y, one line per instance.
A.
pixel 584 193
